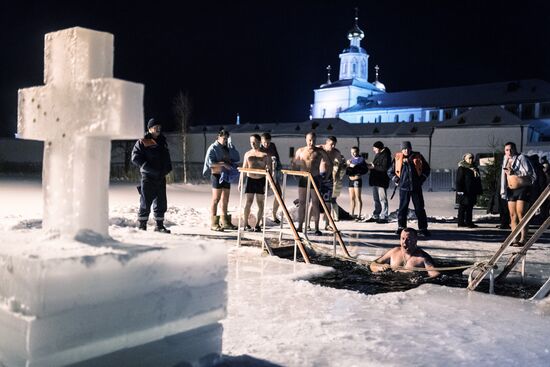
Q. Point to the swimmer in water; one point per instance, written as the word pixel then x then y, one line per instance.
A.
pixel 405 257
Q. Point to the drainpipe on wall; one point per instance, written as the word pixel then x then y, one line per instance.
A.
pixel 521 141
pixel 430 156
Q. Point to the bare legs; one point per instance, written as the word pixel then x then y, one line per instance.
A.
pixel 355 200
pixel 315 210
pixel 219 195
pixel 248 205
pixel 517 210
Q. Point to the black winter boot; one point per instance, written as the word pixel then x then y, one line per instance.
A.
pixel 142 225
pixel 161 228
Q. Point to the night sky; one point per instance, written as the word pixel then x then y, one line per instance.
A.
pixel 263 59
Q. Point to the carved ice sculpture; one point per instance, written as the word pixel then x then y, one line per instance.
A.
pixel 77 113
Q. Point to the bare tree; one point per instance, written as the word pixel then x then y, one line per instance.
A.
pixel 182 108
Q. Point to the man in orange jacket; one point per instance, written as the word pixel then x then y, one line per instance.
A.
pixel 409 170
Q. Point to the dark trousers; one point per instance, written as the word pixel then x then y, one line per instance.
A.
pixel 153 191
pixel 418 202
pixel 465 214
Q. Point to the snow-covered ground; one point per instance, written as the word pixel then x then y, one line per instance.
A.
pixel 275 317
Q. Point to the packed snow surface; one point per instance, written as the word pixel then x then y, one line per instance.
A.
pixel 276 317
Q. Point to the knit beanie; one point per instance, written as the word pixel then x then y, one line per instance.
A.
pixel 152 123
pixel 378 145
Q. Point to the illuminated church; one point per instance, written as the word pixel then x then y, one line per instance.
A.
pixel 354 99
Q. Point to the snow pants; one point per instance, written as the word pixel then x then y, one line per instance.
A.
pixel 153 192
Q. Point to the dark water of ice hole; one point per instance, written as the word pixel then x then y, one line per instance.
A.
pixel 348 275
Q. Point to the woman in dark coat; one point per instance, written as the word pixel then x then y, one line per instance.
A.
pixel 468 187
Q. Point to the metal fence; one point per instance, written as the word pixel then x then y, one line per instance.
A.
pixel 441 180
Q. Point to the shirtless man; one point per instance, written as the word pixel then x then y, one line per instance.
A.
pixel 309 159
pixel 332 177
pixel 406 256
pixel 275 161
pixel 255 183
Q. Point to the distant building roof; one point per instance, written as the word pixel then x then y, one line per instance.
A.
pixel 350 82
pixel 325 127
pixel 522 91
pixel 482 116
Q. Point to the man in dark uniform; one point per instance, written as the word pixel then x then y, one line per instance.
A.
pixel 152 157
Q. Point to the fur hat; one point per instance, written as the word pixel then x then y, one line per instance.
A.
pixel 406 145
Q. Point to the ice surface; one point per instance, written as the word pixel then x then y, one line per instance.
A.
pixel 75 304
pixel 79 110
pixel 272 319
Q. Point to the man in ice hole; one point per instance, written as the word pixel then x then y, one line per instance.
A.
pixel 405 257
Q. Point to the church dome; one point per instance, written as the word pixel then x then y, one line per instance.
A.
pixel 379 85
pixel 356 32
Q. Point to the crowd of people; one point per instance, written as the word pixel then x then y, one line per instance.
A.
pixel 522 180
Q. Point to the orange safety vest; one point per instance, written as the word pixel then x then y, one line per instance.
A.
pixel 416 160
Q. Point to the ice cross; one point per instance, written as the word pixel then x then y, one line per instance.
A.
pixel 77 113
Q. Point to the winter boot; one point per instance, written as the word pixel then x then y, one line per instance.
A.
pixel 161 228
pixel 215 223
pixel 142 225
pixel 226 223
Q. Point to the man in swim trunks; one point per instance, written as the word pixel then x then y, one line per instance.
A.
pixel 255 183
pixel 405 257
pixel 332 179
pixel 309 159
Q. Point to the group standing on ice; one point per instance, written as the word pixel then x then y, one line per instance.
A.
pixel 521 180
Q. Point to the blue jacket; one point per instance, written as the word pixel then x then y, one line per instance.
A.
pixel 152 156
pixel 217 152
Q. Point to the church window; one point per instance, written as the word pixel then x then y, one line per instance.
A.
pixel 528 111
pixel 363 69
pixel 545 109
pixel 396 118
pixel 434 115
pixel 379 118
pixel 411 117
pixel 324 112
pixel 512 108
pixel 338 110
pixel 354 68
pixel 448 114
pixel 362 119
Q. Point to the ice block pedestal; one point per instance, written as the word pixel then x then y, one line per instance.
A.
pixel 70 302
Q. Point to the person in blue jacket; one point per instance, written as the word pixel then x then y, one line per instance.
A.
pixel 220 163
pixel 152 156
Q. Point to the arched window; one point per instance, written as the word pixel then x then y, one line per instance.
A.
pixel 411 117
pixel 396 118
pixel 379 118
pixel 362 119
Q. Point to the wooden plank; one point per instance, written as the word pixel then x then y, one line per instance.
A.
pixel 524 222
pixel 515 259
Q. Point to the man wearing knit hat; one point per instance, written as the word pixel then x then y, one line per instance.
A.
pixel 152 157
pixel 379 180
pixel 409 170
